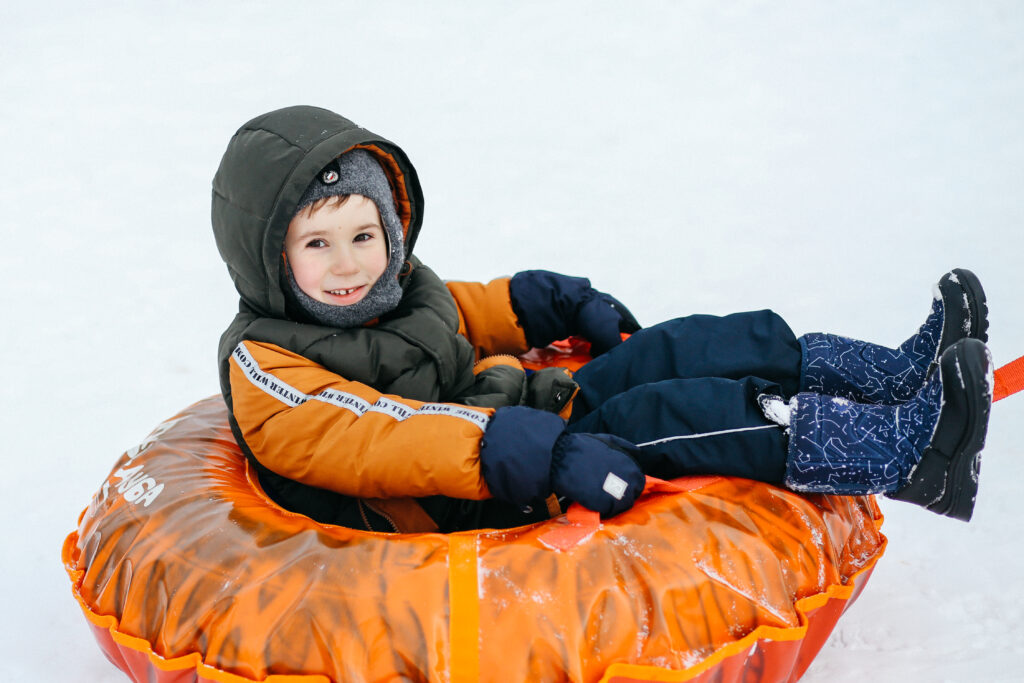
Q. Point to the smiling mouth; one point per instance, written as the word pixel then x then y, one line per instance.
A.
pixel 345 296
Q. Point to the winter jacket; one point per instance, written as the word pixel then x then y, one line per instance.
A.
pixel 349 426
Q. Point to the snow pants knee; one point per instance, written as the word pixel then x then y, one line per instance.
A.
pixel 685 391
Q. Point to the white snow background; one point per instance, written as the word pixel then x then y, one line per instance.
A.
pixel 827 160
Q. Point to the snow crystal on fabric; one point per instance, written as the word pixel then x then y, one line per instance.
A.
pixel 776 409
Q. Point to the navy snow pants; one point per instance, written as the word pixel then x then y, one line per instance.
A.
pixel 685 391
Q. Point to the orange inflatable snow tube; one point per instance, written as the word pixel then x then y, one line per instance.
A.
pixel 186 571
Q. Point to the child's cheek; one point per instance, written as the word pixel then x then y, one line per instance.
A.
pixel 380 264
pixel 308 274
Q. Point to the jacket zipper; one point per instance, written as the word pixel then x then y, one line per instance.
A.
pixel 498 355
pixel 366 520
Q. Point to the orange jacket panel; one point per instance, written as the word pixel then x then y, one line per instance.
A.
pixel 308 424
pixel 486 317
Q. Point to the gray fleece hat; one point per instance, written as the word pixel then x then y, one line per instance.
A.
pixel 356 172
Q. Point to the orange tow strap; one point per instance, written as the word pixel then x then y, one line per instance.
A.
pixel 1009 379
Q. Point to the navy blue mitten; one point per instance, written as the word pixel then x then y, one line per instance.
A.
pixel 598 471
pixel 526 454
pixel 551 306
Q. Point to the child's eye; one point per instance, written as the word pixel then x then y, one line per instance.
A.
pixel 316 243
pixel 363 236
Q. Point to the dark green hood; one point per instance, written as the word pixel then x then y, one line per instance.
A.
pixel 413 350
pixel 267 166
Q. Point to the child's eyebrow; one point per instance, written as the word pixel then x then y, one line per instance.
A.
pixel 310 233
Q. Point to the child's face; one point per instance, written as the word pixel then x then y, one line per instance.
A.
pixel 338 252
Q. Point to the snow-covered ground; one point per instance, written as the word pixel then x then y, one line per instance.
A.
pixel 828 160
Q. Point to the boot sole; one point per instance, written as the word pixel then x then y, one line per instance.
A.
pixel 945 481
pixel 961 288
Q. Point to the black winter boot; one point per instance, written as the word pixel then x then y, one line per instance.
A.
pixel 868 373
pixel 945 481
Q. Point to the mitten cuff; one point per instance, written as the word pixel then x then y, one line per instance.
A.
pixel 515 453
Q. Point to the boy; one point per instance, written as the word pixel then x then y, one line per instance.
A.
pixel 369 393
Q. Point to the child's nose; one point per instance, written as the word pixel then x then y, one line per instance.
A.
pixel 344 262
